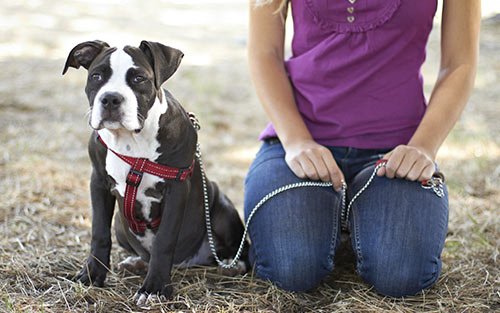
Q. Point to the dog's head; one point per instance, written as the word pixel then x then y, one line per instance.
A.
pixel 123 83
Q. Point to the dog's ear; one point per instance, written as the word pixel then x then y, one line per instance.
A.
pixel 163 59
pixel 84 54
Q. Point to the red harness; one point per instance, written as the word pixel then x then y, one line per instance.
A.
pixel 139 166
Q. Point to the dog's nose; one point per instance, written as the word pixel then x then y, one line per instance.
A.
pixel 111 100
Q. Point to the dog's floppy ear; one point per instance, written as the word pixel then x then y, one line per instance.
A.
pixel 84 54
pixel 164 60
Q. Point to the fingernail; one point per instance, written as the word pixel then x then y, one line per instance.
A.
pixel 341 186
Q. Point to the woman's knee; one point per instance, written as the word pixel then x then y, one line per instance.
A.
pixel 294 274
pixel 399 233
pixel 401 278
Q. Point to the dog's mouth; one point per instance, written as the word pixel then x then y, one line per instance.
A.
pixel 108 121
pixel 114 125
pixel 115 120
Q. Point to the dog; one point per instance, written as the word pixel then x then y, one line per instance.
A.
pixel 142 150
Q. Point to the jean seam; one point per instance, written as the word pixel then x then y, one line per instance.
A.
pixel 439 250
pixel 333 242
pixel 258 266
pixel 357 241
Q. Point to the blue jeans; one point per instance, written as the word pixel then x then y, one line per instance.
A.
pixel 397 228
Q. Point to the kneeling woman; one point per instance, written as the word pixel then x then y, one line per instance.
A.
pixel 351 94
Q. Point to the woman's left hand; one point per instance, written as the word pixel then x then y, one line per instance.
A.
pixel 408 162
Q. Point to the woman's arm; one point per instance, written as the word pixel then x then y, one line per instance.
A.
pixel 304 156
pixel 459 53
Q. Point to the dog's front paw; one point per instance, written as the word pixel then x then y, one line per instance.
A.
pixel 145 300
pixel 153 291
pixel 93 273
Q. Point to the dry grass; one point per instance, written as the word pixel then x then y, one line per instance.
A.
pixel 45 215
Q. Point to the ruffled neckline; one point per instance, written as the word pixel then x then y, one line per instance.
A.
pixel 343 25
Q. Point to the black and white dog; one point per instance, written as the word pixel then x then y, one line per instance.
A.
pixel 143 156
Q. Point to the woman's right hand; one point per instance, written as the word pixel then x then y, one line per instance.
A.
pixel 305 157
pixel 308 159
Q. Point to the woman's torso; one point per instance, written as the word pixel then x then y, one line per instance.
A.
pixel 355 69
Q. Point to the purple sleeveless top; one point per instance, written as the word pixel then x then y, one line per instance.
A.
pixel 355 69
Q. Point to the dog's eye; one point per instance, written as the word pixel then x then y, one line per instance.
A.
pixel 138 79
pixel 96 77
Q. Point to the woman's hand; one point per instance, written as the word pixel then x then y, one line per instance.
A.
pixel 408 162
pixel 308 159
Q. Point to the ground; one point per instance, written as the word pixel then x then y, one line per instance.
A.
pixel 44 167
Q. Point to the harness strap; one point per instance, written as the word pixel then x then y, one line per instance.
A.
pixel 139 166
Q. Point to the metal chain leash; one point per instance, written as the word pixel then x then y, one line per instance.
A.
pixel 435 184
pixel 344 210
pixel 252 213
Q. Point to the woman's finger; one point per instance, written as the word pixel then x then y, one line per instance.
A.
pixel 416 170
pixel 308 167
pixel 394 161
pixel 427 172
pixel 336 175
pixel 381 170
pixel 296 168
pixel 410 158
pixel 316 157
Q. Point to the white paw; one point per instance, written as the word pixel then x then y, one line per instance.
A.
pixel 144 300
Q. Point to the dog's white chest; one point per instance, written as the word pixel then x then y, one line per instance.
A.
pixel 118 170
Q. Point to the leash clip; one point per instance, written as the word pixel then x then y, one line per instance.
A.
pixel 435 183
pixel 194 120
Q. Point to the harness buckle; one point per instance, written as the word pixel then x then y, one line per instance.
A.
pixel 134 177
pixel 181 172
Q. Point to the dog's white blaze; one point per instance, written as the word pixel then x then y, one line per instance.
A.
pixel 143 145
pixel 120 63
pixel 147 240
